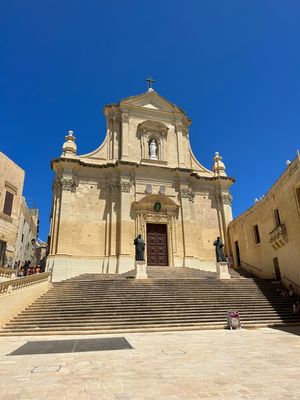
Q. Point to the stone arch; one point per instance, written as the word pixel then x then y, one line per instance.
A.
pixel 153 130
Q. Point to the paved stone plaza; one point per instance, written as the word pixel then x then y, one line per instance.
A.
pixel 218 364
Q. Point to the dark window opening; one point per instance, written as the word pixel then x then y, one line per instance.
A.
pixel 256 234
pixel 237 253
pixel 8 203
pixel 298 196
pixel 277 218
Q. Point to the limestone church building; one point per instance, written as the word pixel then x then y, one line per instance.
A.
pixel 144 178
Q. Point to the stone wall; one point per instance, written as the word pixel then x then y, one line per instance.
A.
pixel 278 239
pixel 11 180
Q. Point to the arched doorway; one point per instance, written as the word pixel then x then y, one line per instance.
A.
pixel 155 217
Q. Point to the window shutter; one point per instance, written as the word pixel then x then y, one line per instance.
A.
pixel 8 203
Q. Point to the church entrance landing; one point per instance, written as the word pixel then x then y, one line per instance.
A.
pixel 157 244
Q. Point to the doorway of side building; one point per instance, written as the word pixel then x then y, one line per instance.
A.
pixel 237 253
pixel 277 269
pixel 157 244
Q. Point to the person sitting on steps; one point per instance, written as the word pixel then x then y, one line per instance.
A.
pixel 296 307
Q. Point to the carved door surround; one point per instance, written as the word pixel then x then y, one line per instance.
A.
pixel 153 130
pixel 144 213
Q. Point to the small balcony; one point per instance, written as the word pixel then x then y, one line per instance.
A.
pixel 278 236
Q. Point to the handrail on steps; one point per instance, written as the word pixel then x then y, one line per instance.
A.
pixel 10 286
pixel 251 266
pixel 6 272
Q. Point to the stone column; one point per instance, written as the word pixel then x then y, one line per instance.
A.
pixel 64 238
pixel 180 149
pixel 125 136
pixel 126 261
pixel 186 196
pixel 113 247
pixel 55 214
pixel 115 137
pixel 107 227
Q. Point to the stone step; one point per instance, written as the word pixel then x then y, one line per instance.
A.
pixel 163 313
pixel 96 304
pixel 145 326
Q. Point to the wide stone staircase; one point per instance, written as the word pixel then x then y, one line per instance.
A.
pixel 171 299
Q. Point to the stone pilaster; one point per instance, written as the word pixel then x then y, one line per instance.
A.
pixel 125 136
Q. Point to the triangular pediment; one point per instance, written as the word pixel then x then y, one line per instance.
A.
pixel 151 100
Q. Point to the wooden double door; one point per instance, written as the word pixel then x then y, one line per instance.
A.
pixel 157 244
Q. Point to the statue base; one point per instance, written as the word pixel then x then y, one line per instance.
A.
pixel 141 270
pixel 222 270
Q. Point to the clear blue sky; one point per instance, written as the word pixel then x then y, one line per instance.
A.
pixel 233 66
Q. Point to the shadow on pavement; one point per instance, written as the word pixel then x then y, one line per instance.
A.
pixel 294 330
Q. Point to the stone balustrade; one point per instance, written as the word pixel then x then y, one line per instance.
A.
pixel 7 272
pixel 20 283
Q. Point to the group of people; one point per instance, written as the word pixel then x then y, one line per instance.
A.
pixel 289 293
pixel 27 269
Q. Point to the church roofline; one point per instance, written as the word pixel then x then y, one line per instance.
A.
pixel 153 92
pixel 188 171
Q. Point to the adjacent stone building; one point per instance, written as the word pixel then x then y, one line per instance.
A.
pixel 144 178
pixel 11 188
pixel 27 234
pixel 265 239
pixel 18 223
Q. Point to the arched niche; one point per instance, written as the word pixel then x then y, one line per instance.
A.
pixel 153 130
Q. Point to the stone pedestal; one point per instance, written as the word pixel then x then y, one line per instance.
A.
pixel 222 270
pixel 140 270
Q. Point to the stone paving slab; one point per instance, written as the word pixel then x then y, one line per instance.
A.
pixel 246 364
pixel 71 346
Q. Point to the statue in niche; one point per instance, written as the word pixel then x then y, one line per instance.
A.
pixel 139 248
pixel 153 150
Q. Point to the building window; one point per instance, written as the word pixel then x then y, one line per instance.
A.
pixel 256 234
pixel 298 196
pixel 8 203
pixel 277 218
pixel 2 252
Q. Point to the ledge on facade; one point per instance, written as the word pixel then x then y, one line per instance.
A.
pixel 82 163
pixel 213 178
pixel 6 217
pixel 151 162
pixel 278 236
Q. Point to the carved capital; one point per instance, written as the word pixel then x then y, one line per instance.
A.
pixel 187 193
pixel 185 131
pixel 125 186
pixel 125 118
pixel 179 127
pixel 69 184
pixel 226 198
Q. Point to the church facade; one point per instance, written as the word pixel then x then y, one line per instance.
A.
pixel 143 179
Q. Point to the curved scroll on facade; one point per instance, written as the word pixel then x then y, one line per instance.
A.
pixel 143 179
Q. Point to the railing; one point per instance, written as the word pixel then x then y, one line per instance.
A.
pixel 6 272
pixel 20 283
pixel 251 266
pixel 277 232
pixel 292 282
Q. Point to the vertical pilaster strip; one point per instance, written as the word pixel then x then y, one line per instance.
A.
pixel 125 135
